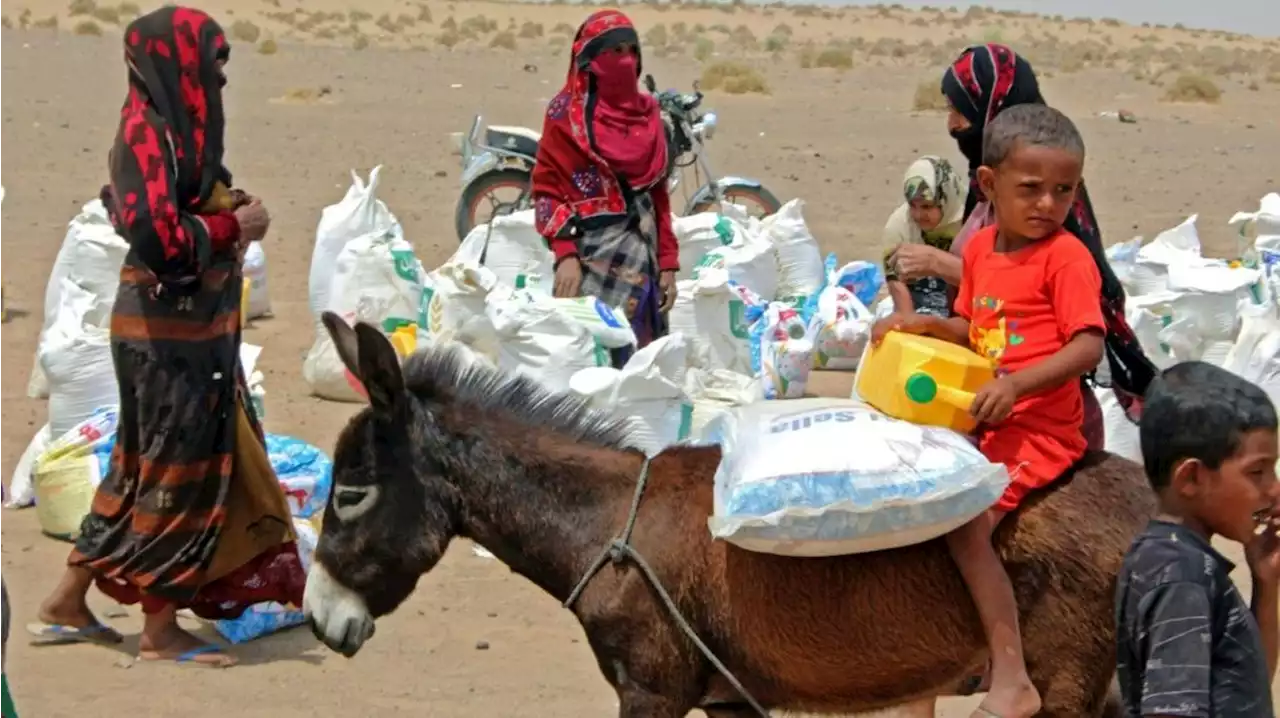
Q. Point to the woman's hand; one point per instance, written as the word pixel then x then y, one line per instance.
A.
pixel 667 286
pixel 915 261
pixel 568 278
pixel 254 221
pixel 906 322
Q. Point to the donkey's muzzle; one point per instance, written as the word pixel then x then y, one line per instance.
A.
pixel 338 616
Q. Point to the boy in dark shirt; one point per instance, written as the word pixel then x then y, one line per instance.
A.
pixel 1188 644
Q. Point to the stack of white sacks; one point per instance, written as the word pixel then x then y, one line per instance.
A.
pixel 1183 306
pixel 73 367
pixel 494 296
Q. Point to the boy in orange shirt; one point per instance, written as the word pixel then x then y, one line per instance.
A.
pixel 1029 301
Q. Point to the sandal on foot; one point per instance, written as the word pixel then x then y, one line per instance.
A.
pixel 50 634
pixel 191 656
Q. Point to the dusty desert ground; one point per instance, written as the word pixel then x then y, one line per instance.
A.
pixel 319 91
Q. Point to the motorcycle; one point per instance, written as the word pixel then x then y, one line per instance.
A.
pixel 502 161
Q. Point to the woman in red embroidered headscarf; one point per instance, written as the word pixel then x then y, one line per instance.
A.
pixel 599 185
pixel 190 515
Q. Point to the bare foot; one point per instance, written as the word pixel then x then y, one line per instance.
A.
pixel 1018 700
pixel 171 643
pixel 66 608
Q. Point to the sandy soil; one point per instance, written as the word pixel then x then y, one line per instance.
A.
pixel 839 139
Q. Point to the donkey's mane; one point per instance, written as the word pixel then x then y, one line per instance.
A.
pixel 451 374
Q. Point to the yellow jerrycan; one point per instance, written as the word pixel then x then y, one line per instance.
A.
pixel 923 380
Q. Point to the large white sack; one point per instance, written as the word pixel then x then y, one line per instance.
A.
pixel 456 308
pixel 255 272
pixel 609 325
pixel 800 268
pixel 516 254
pixel 1211 296
pixel 1264 223
pixel 827 477
pixel 647 392
pixel 538 340
pixel 21 491
pixel 76 359
pixel 711 312
pixel 90 256
pixel 359 213
pixel 378 280
pixel 1179 246
pixel 1120 436
pixel 715 392
pixel 749 260
pixel 1256 354
pixel 697 234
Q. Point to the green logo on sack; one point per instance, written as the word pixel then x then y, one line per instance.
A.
pixel 406 265
pixel 391 324
pixel 738 325
pixel 602 356
pixel 686 422
pixel 424 308
pixel 724 230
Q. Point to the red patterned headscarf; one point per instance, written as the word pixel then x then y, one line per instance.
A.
pixel 602 137
pixel 167 155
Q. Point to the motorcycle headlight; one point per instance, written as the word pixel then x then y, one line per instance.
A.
pixel 708 122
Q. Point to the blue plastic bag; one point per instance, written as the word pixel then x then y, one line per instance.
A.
pixel 304 471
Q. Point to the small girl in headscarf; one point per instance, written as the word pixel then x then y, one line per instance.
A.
pixel 930 217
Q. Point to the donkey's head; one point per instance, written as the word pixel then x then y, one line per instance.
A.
pixel 391 514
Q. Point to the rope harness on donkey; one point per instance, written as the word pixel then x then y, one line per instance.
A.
pixel 621 549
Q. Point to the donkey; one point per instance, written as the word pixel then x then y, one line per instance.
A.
pixel 450 447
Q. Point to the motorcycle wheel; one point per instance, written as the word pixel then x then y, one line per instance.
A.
pixel 753 198
pixel 471 210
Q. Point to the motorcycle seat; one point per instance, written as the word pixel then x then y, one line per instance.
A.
pixel 521 140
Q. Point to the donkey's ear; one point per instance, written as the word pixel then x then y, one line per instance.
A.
pixel 344 339
pixel 379 369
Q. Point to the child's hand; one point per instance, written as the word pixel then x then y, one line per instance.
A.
pixel 995 401
pixel 1263 552
pixel 906 322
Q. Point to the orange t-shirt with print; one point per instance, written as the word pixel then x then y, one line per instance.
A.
pixel 1023 307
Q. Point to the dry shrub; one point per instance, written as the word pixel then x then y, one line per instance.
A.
pixel 838 58
pixel 657 38
pixel 6 23
pixel 531 30
pixel 734 78
pixel 107 14
pixel 81 7
pixel 449 39
pixel 929 97
pixel 782 29
pixel 360 42
pixel 776 43
pixel 451 24
pixel 1273 78
pixel 245 31
pixel 24 18
pixel 268 47
pixel 48 23
pixel 743 37
pixel 703 49
pixel 505 40
pixel 478 24
pixel 1193 88
pixel 129 10
pixel 563 28
pixel 359 16
pixel 87 27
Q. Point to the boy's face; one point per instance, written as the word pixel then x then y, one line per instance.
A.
pixel 1225 501
pixel 1032 190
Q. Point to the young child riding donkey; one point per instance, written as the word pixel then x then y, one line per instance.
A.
pixel 450 447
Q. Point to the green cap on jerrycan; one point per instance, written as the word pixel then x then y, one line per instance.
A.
pixel 920 388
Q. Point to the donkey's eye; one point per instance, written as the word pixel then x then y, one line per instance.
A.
pixel 351 502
